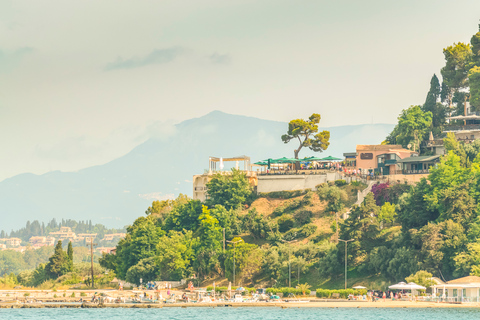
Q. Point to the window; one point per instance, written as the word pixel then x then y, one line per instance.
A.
pixel 464 292
pixel 454 292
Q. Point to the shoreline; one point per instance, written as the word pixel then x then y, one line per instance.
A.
pixel 283 305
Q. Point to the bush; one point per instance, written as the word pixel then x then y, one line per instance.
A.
pixel 73 295
pixel 26 294
pixel 324 293
pixel 340 183
pixel 303 216
pixel 286 291
pixel 356 183
pixel 83 294
pixel 55 295
pixel 291 234
pixel 285 222
pixel 286 207
pixel 308 230
pixel 283 194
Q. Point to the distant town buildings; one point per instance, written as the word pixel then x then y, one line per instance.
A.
pixel 42 241
pixel 106 250
pixel 112 236
pixel 64 234
pixel 11 242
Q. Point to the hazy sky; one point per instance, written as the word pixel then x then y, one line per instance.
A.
pixel 82 82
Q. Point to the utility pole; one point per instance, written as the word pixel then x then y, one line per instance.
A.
pixel 346 241
pixel 289 266
pixel 234 243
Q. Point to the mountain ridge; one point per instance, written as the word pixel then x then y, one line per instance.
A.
pixel 116 192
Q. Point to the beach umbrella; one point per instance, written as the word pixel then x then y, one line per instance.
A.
pixel 399 286
pixel 359 287
pixel 261 163
pixel 414 286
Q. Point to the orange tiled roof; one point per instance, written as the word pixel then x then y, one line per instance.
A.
pixel 469 279
pixel 365 147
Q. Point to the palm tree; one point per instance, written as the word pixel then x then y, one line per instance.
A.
pixel 303 287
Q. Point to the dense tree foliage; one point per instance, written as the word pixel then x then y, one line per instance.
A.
pixel 229 190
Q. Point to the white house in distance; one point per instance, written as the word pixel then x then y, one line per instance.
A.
pixel 466 289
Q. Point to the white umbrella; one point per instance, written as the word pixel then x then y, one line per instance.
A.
pixel 399 286
pixel 359 287
pixel 414 286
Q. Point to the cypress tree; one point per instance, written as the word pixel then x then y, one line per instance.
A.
pixel 70 256
pixel 58 262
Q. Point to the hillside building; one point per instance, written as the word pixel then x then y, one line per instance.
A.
pixel 87 237
pixel 64 233
pixel 42 241
pixel 112 236
pixel 11 242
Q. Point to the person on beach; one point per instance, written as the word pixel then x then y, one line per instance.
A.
pixel 384 296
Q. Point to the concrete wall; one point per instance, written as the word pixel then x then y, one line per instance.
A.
pixel 272 183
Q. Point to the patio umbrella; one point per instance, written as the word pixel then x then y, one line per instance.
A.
pixel 359 287
pixel 312 159
pixel 261 163
pixel 330 158
pixel 286 160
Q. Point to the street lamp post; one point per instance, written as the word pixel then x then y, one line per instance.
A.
pixel 289 266
pixel 346 241
pixel 234 243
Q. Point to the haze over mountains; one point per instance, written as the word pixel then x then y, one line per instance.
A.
pixel 117 192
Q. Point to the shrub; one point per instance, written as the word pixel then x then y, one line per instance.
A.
pixel 308 230
pixel 356 183
pixel 26 294
pixel 303 216
pixel 55 295
pixel 291 234
pixel 83 294
pixel 287 207
pixel 324 293
pixel 73 295
pixel 286 291
pixel 283 194
pixel 340 183
pixel 64 294
pixel 285 222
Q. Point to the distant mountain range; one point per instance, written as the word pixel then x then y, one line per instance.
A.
pixel 119 191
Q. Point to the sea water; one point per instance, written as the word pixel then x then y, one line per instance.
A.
pixel 242 313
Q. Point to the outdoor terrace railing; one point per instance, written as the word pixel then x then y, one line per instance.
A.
pixel 460 127
pixel 425 171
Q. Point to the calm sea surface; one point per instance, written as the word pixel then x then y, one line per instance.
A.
pixel 242 313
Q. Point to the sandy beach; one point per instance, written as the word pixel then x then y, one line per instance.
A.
pixel 47 299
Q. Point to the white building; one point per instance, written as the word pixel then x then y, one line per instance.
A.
pixel 466 289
